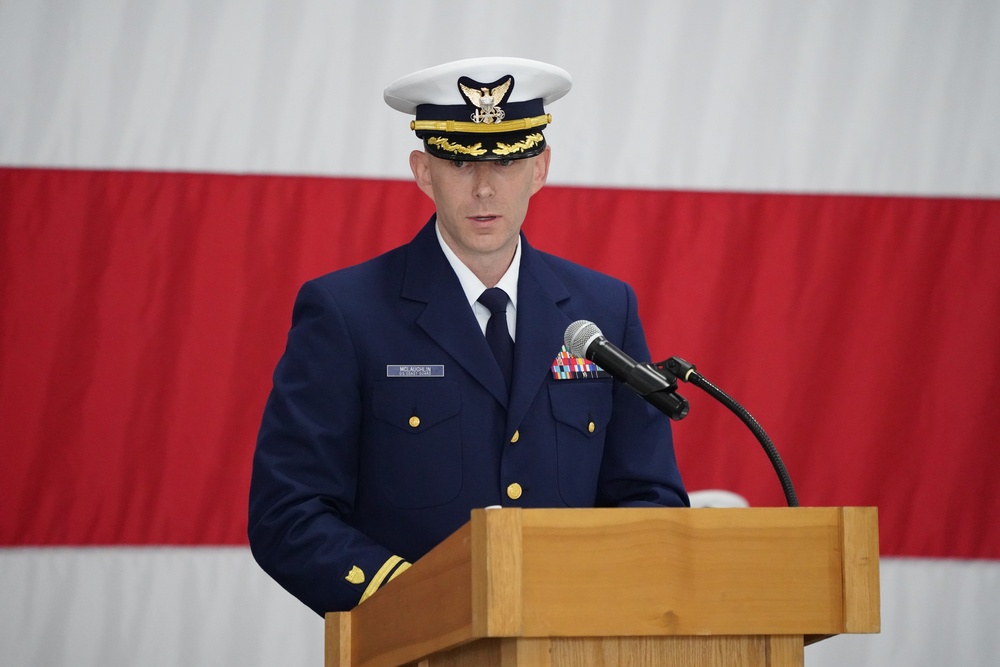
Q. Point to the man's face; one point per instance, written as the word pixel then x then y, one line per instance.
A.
pixel 480 204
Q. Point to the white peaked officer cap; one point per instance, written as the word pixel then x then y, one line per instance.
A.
pixel 481 108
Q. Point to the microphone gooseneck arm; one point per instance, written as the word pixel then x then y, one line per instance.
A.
pixel 686 372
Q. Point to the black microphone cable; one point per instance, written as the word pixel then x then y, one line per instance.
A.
pixel 685 371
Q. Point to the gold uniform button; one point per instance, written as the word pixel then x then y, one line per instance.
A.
pixel 517 436
pixel 414 421
pixel 514 491
pixel 591 427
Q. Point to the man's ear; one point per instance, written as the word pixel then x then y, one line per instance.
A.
pixel 422 172
pixel 541 173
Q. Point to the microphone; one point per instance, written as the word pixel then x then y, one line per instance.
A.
pixel 584 339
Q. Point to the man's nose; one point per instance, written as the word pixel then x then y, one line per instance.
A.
pixel 483 182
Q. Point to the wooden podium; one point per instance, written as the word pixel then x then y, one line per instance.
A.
pixel 685 587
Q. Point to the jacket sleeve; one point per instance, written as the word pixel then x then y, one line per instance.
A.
pixel 304 467
pixel 639 468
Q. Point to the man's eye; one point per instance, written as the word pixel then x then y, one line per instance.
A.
pixel 458 164
pixel 504 162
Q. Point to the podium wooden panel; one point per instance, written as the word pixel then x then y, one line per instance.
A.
pixel 623 587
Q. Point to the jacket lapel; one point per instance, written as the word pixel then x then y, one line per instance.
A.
pixel 430 279
pixel 540 328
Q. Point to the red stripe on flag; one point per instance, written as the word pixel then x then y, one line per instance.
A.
pixel 142 314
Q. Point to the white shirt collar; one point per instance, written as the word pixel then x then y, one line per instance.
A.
pixel 473 286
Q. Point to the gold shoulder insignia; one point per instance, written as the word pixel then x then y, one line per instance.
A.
pixel 355 576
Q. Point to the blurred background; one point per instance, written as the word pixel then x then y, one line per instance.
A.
pixel 804 195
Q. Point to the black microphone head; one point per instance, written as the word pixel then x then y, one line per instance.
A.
pixel 578 337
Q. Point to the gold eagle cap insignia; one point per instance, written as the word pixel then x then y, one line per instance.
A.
pixel 487 100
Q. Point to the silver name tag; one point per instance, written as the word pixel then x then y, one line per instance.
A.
pixel 414 371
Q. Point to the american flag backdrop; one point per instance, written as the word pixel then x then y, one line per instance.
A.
pixel 804 195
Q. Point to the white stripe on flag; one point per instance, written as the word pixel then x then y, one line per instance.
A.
pixel 857 97
pixel 214 606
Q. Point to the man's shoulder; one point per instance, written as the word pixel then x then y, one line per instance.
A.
pixel 387 264
pixel 577 276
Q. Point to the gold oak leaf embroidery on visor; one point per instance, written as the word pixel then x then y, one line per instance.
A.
pixel 445 145
pixel 529 141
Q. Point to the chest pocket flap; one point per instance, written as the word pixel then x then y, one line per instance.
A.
pixel 414 405
pixel 582 405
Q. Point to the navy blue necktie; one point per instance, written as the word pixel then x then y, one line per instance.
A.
pixel 497 334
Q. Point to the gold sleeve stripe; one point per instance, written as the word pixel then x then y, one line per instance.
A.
pixel 376 581
pixel 403 567
pixel 481 128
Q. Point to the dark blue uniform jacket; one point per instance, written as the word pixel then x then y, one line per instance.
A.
pixel 355 466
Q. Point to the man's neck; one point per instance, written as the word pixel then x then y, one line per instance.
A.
pixel 489 274
pixel 490 270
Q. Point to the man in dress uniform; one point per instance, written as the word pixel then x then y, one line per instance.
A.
pixel 433 379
